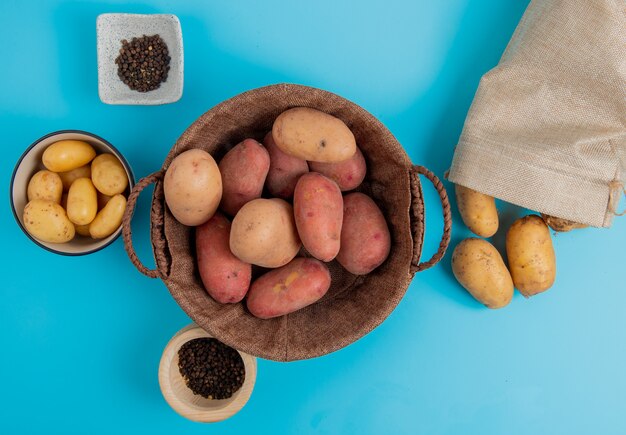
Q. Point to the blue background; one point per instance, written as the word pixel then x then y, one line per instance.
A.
pixel 81 337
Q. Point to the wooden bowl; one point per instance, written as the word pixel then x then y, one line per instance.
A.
pixel 183 400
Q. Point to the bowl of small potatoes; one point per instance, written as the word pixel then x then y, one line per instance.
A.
pixel 69 190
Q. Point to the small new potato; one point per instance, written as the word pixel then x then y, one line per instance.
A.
pixel 65 155
pixel 532 261
pixel 318 211
pixel 46 220
pixel 225 277
pixel 243 170
pixel 264 233
pixel 285 170
pixel 193 187
pixel 365 237
pixel 108 174
pixel 109 219
pixel 479 268
pixel 348 174
pixel 313 135
pixel 288 289
pixel 45 185
pixel 70 176
pixel 82 202
pixel 477 210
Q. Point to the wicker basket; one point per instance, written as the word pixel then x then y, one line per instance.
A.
pixel 354 305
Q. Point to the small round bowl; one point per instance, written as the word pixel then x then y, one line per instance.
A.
pixel 183 400
pixel 30 162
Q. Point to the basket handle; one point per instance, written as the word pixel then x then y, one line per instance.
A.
pixel 417 210
pixel 126 230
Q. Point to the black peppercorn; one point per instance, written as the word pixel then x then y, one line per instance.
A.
pixel 210 368
pixel 143 63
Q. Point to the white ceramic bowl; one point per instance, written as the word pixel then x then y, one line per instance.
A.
pixel 183 400
pixel 30 162
pixel 111 30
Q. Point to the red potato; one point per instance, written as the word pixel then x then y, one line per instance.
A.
pixel 318 211
pixel 285 170
pixel 365 238
pixel 348 174
pixel 243 170
pixel 225 277
pixel 294 286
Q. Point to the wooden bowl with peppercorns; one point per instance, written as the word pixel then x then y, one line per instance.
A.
pixel 203 379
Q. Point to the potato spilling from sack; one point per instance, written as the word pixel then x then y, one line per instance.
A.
pixel 531 256
pixel 477 210
pixel 478 266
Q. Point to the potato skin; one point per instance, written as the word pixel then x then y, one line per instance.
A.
pixel 264 233
pixel 348 174
pixel 65 155
pixel 285 170
pixel 46 220
pixel 82 202
pixel 478 211
pixel 45 185
pixel 70 176
pixel 243 170
pixel 318 212
pixel 479 268
pixel 225 277
pixel 532 261
pixel 365 237
pixel 561 225
pixel 282 291
pixel 109 219
pixel 193 187
pixel 108 174
pixel 313 135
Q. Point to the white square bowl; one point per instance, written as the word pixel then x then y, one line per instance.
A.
pixel 111 30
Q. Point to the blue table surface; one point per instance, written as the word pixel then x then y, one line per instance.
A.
pixel 81 337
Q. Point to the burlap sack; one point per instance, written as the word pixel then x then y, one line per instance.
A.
pixel 354 305
pixel 547 128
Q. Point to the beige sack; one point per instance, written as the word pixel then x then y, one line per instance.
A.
pixel 547 128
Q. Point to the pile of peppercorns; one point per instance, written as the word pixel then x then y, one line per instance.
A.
pixel 143 63
pixel 210 368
